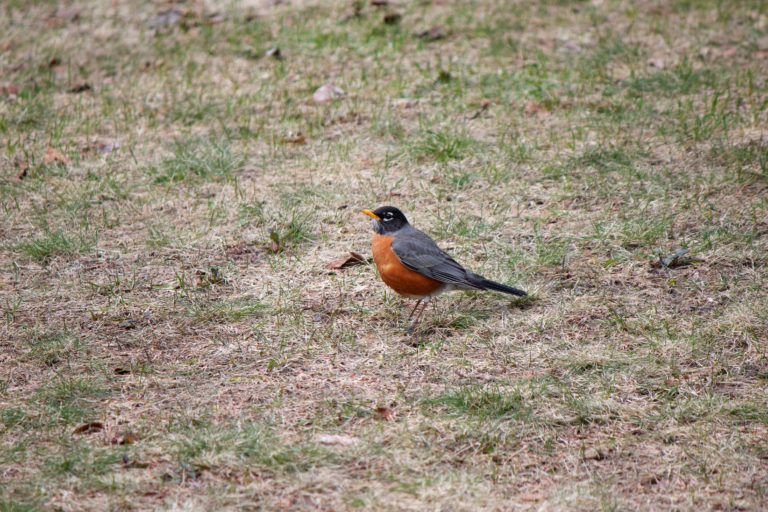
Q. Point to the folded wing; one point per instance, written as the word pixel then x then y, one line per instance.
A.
pixel 421 254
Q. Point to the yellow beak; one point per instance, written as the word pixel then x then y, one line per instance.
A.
pixel 371 214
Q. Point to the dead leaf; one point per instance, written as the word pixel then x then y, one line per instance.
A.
pixel 728 51
pixel 54 61
pixel 484 104
pixel 284 503
pixel 392 18
pixel 571 46
pixel 124 438
pixel 5 46
pixel 529 496
pixel 275 241
pixel 54 156
pixel 385 413
pixel 164 18
pixel 337 439
pixel 68 13
pixel 295 140
pixel 75 89
pixel 128 463
pixel 534 108
pixel 657 63
pixel 89 428
pixel 121 371
pixel 355 10
pixel 7 70
pixel 593 454
pixel 62 16
pixel 547 43
pixel 406 103
pixel 104 147
pixel 760 54
pixel 379 3
pixel 23 167
pixel 108 147
pixel 349 117
pixel 214 18
pixel 659 11
pixel 244 252
pixel 671 381
pixel 351 260
pixel 327 92
pixel 148 64
pixel 9 90
pixel 433 34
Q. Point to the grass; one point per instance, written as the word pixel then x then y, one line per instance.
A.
pixel 440 146
pixel 198 159
pixel 478 402
pixel 248 446
pixel 169 282
pixel 57 243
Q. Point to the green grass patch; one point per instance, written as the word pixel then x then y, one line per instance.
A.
pixel 53 348
pixel 195 159
pixel 680 79
pixel 229 311
pixel 479 403
pixel 246 444
pixel 440 146
pixel 69 399
pixel 56 243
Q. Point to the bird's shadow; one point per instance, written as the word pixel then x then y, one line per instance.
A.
pixel 477 304
pixel 447 318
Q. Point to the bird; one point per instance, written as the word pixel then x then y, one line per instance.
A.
pixel 412 264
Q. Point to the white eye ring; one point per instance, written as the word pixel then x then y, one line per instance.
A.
pixel 387 219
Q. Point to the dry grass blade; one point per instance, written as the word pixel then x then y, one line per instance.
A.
pixel 89 428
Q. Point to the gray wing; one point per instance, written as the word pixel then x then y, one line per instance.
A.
pixel 421 254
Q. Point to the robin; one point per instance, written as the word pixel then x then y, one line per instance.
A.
pixel 412 264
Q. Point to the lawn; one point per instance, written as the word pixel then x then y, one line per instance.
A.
pixel 177 179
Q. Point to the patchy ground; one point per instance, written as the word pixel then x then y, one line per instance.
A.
pixel 172 195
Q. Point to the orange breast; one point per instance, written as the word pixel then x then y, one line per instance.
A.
pixel 397 276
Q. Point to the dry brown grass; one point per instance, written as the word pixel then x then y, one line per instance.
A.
pixel 561 147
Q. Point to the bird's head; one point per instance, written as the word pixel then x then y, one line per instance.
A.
pixel 387 219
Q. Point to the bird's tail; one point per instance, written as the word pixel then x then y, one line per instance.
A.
pixel 487 284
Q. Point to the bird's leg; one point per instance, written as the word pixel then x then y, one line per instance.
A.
pixel 414 309
pixel 418 316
